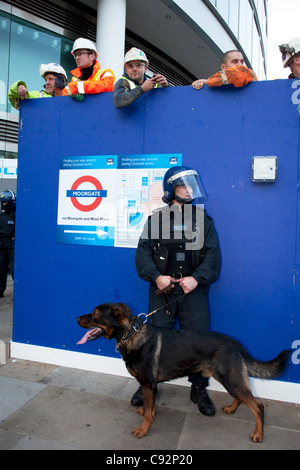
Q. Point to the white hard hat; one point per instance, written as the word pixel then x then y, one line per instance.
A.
pixel 135 54
pixel 289 50
pixel 52 68
pixel 82 43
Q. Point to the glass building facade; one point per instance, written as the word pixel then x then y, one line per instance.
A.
pixel 247 20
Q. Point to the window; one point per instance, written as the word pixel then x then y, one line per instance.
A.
pixel 23 47
pixel 223 8
pixel 4 58
pixel 234 13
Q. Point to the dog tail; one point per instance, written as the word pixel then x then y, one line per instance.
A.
pixel 271 369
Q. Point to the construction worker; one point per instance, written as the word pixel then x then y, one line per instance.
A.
pixel 178 254
pixel 291 57
pixel 88 78
pixel 233 72
pixel 134 82
pixel 55 81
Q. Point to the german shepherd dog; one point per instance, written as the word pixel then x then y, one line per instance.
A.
pixel 154 356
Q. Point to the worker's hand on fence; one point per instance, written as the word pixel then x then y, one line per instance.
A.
pixel 22 91
pixel 198 84
pixel 78 96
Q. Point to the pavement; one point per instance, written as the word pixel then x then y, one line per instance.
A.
pixel 46 407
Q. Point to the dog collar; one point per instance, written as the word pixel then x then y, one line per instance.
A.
pixel 135 327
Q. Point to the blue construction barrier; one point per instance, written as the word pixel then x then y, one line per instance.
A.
pixel 218 131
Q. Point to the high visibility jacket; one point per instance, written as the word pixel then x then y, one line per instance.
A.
pixel 14 97
pixel 238 76
pixel 99 82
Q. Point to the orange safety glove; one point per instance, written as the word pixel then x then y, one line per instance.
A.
pixel 238 76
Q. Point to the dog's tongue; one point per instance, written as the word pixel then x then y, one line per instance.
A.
pixel 85 337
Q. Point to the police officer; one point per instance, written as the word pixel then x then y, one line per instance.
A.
pixel 178 253
pixel 7 236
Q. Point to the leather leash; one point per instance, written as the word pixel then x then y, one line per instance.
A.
pixel 136 325
pixel 166 290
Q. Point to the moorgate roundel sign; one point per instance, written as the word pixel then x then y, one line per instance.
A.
pixel 87 193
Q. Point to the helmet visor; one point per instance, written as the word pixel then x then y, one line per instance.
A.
pixel 187 185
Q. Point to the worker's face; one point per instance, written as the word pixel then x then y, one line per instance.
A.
pixel 84 59
pixel 136 70
pixel 295 66
pixel 234 59
pixel 49 83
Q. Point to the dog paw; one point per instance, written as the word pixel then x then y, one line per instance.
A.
pixel 140 411
pixel 256 437
pixel 226 410
pixel 139 432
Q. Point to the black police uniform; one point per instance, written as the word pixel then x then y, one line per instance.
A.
pixel 7 241
pixel 203 263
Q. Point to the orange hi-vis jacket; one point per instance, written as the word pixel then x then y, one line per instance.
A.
pixel 99 82
pixel 238 76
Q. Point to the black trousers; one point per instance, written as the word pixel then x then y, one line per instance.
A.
pixel 6 262
pixel 191 312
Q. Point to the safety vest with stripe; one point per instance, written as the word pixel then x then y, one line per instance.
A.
pixel 99 81
pixel 97 76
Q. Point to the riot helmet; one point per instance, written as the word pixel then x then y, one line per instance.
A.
pixel 188 179
pixel 7 201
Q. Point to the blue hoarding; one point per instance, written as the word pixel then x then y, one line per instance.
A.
pixel 217 131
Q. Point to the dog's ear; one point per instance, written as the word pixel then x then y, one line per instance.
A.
pixel 122 310
pixel 126 308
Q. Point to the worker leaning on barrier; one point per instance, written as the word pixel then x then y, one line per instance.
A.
pixel 88 78
pixel 134 83
pixel 291 57
pixel 233 72
pixel 55 81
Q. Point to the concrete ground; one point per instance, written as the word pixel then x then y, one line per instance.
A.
pixel 44 407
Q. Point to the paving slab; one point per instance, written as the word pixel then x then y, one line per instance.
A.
pixel 27 370
pixel 16 393
pixel 221 433
pixel 90 421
